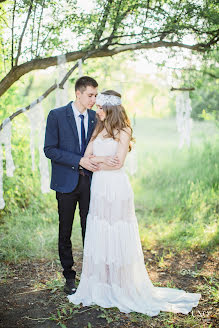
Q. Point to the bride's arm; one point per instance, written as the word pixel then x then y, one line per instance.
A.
pixel 125 136
pixel 89 149
pixel 108 160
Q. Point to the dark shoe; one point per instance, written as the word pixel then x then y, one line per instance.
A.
pixel 69 287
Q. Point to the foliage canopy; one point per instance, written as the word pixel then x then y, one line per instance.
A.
pixel 34 32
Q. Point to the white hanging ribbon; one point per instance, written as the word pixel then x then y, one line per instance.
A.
pixel 37 124
pixel 183 117
pixel 32 114
pixel 131 162
pixel 43 161
pixel 5 139
pixel 80 70
pixel 61 94
pixel 2 202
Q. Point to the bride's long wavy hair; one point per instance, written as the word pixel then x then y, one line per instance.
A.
pixel 116 120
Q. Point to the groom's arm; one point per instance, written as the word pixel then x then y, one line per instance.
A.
pixel 51 149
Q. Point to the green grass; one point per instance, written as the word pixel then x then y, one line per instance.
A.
pixel 176 191
pixel 176 194
pixel 33 232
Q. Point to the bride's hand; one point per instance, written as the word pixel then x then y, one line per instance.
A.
pixel 112 160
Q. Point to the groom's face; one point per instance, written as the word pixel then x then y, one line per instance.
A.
pixel 87 97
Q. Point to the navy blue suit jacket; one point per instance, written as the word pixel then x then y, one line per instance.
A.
pixel 62 147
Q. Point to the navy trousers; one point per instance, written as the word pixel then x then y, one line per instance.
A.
pixel 67 203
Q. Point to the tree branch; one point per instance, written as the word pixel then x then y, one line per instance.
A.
pixel 42 63
pixel 34 103
pixel 3 50
pixel 12 36
pixel 119 19
pixel 211 74
pixel 47 92
pixel 214 40
pixel 121 36
pixel 5 22
pixel 34 15
pixel 43 42
pixel 182 89
pixel 146 15
pixel 38 34
pixel 116 21
pixel 102 23
pixel 195 70
pixel 22 34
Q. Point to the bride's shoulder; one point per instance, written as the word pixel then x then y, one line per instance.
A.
pixel 125 132
pixel 128 130
pixel 124 135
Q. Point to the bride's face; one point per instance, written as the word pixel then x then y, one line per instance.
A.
pixel 100 112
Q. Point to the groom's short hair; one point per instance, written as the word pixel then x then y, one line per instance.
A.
pixel 83 82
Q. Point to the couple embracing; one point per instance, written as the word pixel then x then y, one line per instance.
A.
pixel 87 151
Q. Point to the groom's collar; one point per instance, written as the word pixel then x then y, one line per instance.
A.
pixel 76 111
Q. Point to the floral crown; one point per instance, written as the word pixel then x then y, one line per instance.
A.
pixel 109 100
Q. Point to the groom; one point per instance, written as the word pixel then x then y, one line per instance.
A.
pixel 68 131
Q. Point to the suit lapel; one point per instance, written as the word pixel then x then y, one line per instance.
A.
pixel 91 125
pixel 71 120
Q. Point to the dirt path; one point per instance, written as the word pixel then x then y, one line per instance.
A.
pixel 32 296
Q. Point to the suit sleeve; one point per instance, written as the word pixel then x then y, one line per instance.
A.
pixel 51 145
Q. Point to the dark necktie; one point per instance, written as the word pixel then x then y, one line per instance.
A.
pixel 83 140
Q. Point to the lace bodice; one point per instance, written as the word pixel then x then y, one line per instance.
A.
pixel 104 146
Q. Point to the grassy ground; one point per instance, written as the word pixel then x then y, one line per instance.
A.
pixel 177 206
pixel 176 191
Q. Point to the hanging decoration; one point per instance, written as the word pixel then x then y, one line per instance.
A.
pixel 43 161
pixel 37 129
pixel 80 70
pixel 33 126
pixel 183 117
pixel 131 163
pixel 2 202
pixel 183 103
pixel 5 139
pixel 61 93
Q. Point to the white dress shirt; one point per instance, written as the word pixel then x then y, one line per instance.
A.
pixel 78 121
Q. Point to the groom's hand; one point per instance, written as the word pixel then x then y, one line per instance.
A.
pixel 87 164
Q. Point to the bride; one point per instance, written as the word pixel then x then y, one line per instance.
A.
pixel 113 271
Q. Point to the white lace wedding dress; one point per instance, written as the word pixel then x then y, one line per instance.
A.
pixel 113 271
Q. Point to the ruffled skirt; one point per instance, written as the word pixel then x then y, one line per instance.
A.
pixel 113 270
